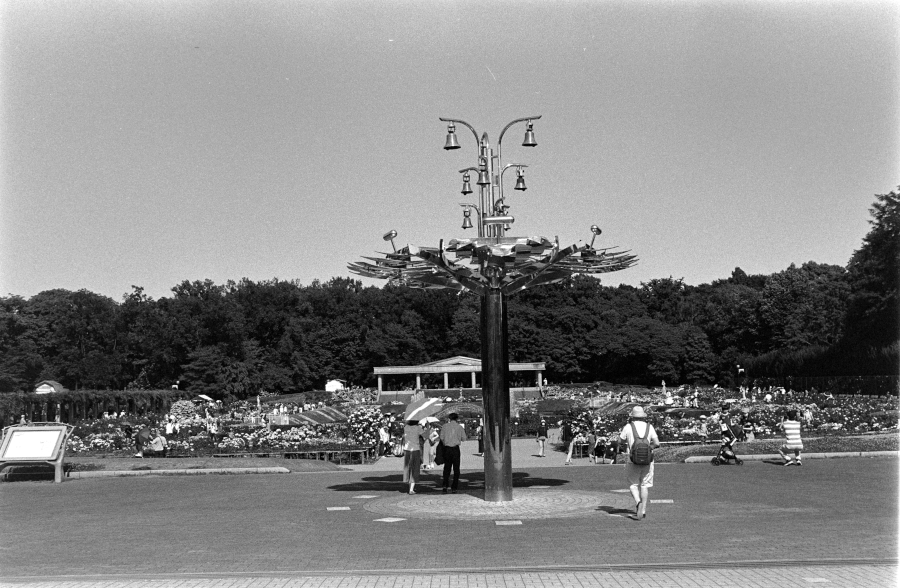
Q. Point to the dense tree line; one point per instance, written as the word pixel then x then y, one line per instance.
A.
pixel 242 337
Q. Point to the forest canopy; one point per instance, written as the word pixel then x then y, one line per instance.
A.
pixel 280 336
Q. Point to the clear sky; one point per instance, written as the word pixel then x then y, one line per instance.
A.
pixel 150 142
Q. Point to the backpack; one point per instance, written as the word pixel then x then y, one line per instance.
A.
pixel 641 451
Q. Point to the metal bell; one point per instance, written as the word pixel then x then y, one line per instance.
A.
pixel 467 220
pixel 467 187
pixel 520 182
pixel 529 136
pixel 451 143
pixel 483 179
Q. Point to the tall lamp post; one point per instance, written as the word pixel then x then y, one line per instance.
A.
pixel 494 266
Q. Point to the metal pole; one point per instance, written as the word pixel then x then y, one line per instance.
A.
pixel 495 390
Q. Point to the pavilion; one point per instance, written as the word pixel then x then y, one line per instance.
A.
pixel 452 365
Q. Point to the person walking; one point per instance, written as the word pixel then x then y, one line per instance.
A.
pixel 452 434
pixel 640 476
pixel 479 433
pixel 542 433
pixel 384 441
pixel 412 454
pixel 577 439
pixel 592 446
pixel 434 436
pixel 790 426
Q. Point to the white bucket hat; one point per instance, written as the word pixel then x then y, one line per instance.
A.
pixel 638 413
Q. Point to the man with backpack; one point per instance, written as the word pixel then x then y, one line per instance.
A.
pixel 641 439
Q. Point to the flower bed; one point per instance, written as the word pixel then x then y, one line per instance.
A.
pixel 820 414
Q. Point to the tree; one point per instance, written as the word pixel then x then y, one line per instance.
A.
pixel 21 361
pixel 75 335
pixel 664 298
pixel 873 314
pixel 698 362
pixel 804 307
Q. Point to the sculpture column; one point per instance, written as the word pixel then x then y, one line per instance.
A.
pixel 495 390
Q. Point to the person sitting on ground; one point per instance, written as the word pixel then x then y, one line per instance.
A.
pixel 792 442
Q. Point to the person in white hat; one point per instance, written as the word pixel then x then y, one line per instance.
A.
pixel 640 476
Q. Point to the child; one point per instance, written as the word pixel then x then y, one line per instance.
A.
pixel 592 446
pixel 792 442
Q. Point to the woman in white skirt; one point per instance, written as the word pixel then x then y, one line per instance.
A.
pixel 412 454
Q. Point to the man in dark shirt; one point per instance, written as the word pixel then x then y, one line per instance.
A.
pixel 452 435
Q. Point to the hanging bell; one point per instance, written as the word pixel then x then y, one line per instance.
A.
pixel 451 143
pixel 529 136
pixel 467 220
pixel 520 181
pixel 467 186
pixel 483 179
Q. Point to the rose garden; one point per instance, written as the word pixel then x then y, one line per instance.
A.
pixel 288 427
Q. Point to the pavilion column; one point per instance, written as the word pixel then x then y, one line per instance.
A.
pixel 379 385
pixel 418 381
pixel 539 380
pixel 446 380
pixel 473 380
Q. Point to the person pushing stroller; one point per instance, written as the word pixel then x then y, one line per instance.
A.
pixel 726 449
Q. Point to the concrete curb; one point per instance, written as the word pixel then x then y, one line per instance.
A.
pixel 775 456
pixel 195 472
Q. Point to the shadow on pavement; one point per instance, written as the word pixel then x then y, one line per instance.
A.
pixel 468 482
pixel 616 511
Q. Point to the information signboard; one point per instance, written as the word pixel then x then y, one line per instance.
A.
pixel 31 445
pixel 35 443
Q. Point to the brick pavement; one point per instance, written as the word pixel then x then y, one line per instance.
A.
pixel 277 529
pixel 873 576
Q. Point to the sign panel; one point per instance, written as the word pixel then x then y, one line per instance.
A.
pixel 31 444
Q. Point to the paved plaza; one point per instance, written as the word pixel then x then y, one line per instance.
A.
pixel 832 522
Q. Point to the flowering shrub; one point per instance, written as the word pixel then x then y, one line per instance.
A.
pixel 183 412
pixel 75 444
pixel 109 426
pixel 296 438
pixel 364 424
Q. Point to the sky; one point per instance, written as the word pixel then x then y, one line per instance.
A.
pixel 145 143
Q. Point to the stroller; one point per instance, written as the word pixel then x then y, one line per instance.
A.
pixel 726 450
